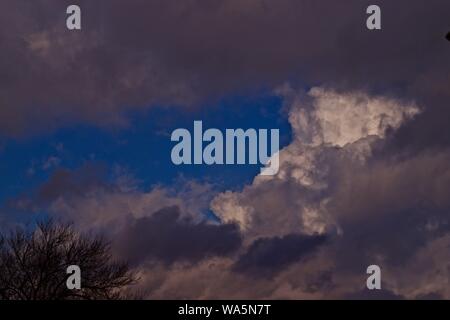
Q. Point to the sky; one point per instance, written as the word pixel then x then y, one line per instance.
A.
pixel 364 163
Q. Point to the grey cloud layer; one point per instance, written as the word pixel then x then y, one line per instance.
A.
pixel 144 53
pixel 365 179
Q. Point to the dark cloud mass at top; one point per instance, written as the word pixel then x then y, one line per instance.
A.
pixel 364 180
pixel 167 52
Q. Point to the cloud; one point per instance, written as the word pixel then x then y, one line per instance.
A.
pixel 56 77
pixel 365 294
pixel 166 237
pixel 324 144
pixel 266 256
pixel 374 208
pixel 79 182
pixel 96 197
pixel 161 224
pixel 133 59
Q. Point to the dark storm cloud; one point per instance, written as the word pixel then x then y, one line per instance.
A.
pixel 389 208
pixel 52 76
pixel 428 132
pixel 267 256
pixel 416 187
pixel 386 209
pixel 166 52
pixel 397 236
pixel 166 237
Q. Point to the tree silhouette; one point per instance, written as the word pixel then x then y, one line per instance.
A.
pixel 33 265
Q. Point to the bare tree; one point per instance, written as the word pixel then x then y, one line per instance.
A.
pixel 33 265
